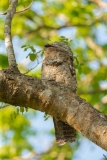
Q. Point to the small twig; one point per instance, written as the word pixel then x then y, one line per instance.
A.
pixel 26 7
pixel 105 158
pixel 32 68
pixel 7 32
pixel 4 13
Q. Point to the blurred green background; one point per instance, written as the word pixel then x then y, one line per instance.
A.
pixel 85 23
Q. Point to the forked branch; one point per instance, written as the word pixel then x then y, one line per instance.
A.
pixel 26 8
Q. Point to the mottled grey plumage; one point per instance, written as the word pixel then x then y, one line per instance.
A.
pixel 58 66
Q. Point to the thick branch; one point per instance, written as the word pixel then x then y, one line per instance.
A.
pixel 56 100
pixel 8 40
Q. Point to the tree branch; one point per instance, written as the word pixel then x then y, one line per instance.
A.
pixel 7 32
pixel 94 91
pixel 100 3
pixel 4 13
pixel 56 100
pixel 67 25
pixel 26 7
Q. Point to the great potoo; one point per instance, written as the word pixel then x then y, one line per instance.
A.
pixel 58 66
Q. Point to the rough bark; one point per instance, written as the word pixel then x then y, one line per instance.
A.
pixel 56 100
pixel 7 32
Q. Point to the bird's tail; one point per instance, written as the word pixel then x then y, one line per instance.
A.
pixel 64 133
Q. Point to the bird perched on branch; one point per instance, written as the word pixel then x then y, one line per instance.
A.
pixel 58 66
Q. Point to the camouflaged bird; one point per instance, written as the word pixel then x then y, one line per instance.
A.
pixel 58 66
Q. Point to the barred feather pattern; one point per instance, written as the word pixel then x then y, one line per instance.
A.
pixel 58 66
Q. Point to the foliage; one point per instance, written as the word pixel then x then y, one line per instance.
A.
pixel 14 131
pixel 65 40
pixel 46 116
pixel 58 153
pixel 83 22
pixel 34 55
pixel 3 61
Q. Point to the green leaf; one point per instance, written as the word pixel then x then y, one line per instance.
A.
pixel 46 116
pixel 32 56
pixel 25 49
pixel 3 61
pixel 32 48
pixel 23 46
